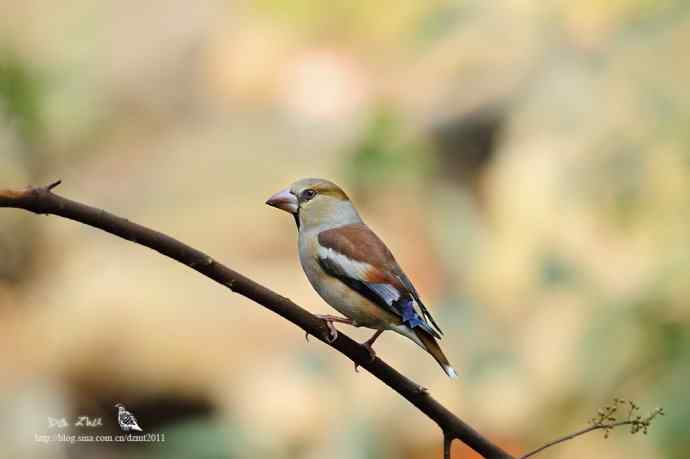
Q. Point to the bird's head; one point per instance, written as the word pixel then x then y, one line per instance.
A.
pixel 119 406
pixel 316 203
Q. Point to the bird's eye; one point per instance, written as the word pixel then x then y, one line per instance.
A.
pixel 308 194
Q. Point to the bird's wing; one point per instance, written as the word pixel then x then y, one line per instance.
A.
pixel 423 310
pixel 357 257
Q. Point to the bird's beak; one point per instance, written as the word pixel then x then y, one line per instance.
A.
pixel 284 200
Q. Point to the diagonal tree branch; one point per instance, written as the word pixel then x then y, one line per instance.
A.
pixel 43 201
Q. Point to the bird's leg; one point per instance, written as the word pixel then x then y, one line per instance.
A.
pixel 368 344
pixel 329 319
pixel 329 322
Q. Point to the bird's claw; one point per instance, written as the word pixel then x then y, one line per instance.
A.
pixel 333 333
pixel 372 355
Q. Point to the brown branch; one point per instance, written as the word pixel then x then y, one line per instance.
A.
pixel 44 201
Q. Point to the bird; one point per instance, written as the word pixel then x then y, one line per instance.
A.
pixel 351 268
pixel 126 419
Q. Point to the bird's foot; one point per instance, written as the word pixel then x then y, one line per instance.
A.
pixel 369 346
pixel 333 333
pixel 370 349
pixel 329 319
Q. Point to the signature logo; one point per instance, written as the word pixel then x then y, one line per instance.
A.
pixel 128 424
pixel 82 421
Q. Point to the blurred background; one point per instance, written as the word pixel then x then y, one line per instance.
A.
pixel 528 163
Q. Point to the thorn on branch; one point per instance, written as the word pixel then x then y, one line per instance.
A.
pixel 447 442
pixel 50 187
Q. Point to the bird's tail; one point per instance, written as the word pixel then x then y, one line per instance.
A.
pixel 434 349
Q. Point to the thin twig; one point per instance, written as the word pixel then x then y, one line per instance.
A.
pixel 43 201
pixel 571 436
pixel 638 423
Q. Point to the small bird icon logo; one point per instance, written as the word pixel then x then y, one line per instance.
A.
pixel 126 419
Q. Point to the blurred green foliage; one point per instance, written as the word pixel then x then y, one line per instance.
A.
pixel 386 152
pixel 21 95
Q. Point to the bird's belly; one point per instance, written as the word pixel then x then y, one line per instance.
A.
pixel 346 300
pixel 350 303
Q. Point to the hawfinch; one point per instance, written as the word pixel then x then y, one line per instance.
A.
pixel 353 270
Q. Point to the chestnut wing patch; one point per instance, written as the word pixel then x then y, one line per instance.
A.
pixel 358 276
pixel 341 253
